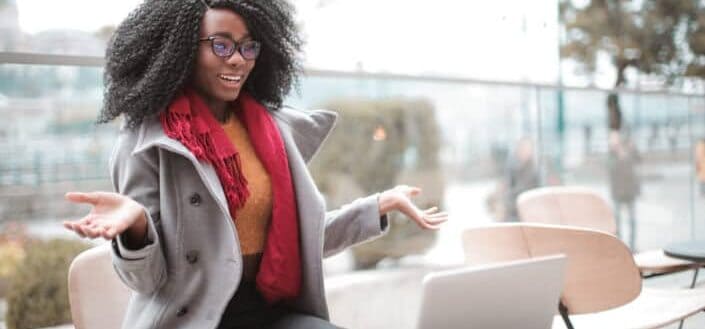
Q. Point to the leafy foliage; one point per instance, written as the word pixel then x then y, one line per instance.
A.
pixel 38 293
pixel 648 35
pixel 378 144
pixel 664 38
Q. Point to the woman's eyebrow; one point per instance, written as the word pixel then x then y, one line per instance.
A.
pixel 230 36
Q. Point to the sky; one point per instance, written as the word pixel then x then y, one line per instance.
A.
pixel 504 40
pixel 87 15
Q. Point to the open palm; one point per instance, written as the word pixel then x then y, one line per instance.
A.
pixel 400 197
pixel 112 214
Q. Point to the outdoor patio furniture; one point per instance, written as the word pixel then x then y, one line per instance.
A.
pixel 97 296
pixel 602 287
pixel 693 250
pixel 583 207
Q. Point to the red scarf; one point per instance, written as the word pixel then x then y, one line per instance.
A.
pixel 189 121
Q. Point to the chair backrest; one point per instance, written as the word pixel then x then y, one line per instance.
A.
pixel 600 274
pixel 97 296
pixel 566 205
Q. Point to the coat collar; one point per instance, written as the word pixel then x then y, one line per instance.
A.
pixel 303 133
pixel 308 130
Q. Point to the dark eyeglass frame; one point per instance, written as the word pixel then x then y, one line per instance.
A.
pixel 237 47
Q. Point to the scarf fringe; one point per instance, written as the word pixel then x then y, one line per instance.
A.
pixel 178 126
pixel 229 168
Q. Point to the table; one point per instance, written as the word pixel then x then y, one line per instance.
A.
pixel 689 250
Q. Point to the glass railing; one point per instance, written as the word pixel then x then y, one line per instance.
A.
pixel 49 142
pixel 456 138
pixel 480 124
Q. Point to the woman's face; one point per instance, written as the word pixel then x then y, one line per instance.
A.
pixel 220 79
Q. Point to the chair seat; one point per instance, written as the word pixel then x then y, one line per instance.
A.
pixel 98 298
pixel 654 308
pixel 656 262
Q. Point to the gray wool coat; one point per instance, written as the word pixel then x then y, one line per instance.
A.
pixel 192 264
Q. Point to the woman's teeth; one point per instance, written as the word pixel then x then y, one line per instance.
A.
pixel 232 78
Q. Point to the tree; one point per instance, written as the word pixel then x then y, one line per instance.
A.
pixel 643 35
pixel 696 43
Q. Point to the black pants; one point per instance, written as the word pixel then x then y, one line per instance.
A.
pixel 248 309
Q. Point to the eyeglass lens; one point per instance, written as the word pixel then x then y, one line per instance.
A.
pixel 225 47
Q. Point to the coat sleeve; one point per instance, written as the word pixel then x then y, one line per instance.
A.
pixel 354 223
pixel 136 176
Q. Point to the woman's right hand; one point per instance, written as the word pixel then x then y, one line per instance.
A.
pixel 112 214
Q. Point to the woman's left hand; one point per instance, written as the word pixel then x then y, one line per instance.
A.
pixel 399 198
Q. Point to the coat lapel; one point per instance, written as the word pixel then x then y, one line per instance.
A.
pixel 308 129
pixel 303 133
pixel 303 136
pixel 151 135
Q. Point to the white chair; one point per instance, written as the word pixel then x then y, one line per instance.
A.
pixel 97 297
pixel 583 207
pixel 602 287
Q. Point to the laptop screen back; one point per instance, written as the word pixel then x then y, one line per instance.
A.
pixel 521 294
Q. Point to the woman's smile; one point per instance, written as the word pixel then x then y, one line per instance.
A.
pixel 231 80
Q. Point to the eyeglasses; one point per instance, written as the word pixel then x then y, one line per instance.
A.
pixel 225 47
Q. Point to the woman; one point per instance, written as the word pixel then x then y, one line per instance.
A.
pixel 216 222
pixel 625 186
pixel 521 175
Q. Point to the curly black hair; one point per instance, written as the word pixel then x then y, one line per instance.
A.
pixel 152 54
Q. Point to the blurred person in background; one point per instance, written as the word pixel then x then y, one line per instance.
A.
pixel 521 174
pixel 623 179
pixel 216 222
pixel 699 158
pixel 587 139
pixel 673 128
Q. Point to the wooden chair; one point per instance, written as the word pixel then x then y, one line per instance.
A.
pixel 583 207
pixel 602 287
pixel 97 297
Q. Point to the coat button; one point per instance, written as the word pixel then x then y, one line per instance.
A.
pixel 182 311
pixel 192 256
pixel 195 200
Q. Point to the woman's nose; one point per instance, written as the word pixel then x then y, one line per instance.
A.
pixel 236 59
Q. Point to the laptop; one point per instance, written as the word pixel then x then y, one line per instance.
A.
pixel 520 294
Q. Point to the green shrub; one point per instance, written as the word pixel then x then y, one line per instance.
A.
pixel 13 238
pixel 376 145
pixel 38 292
pixel 11 255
